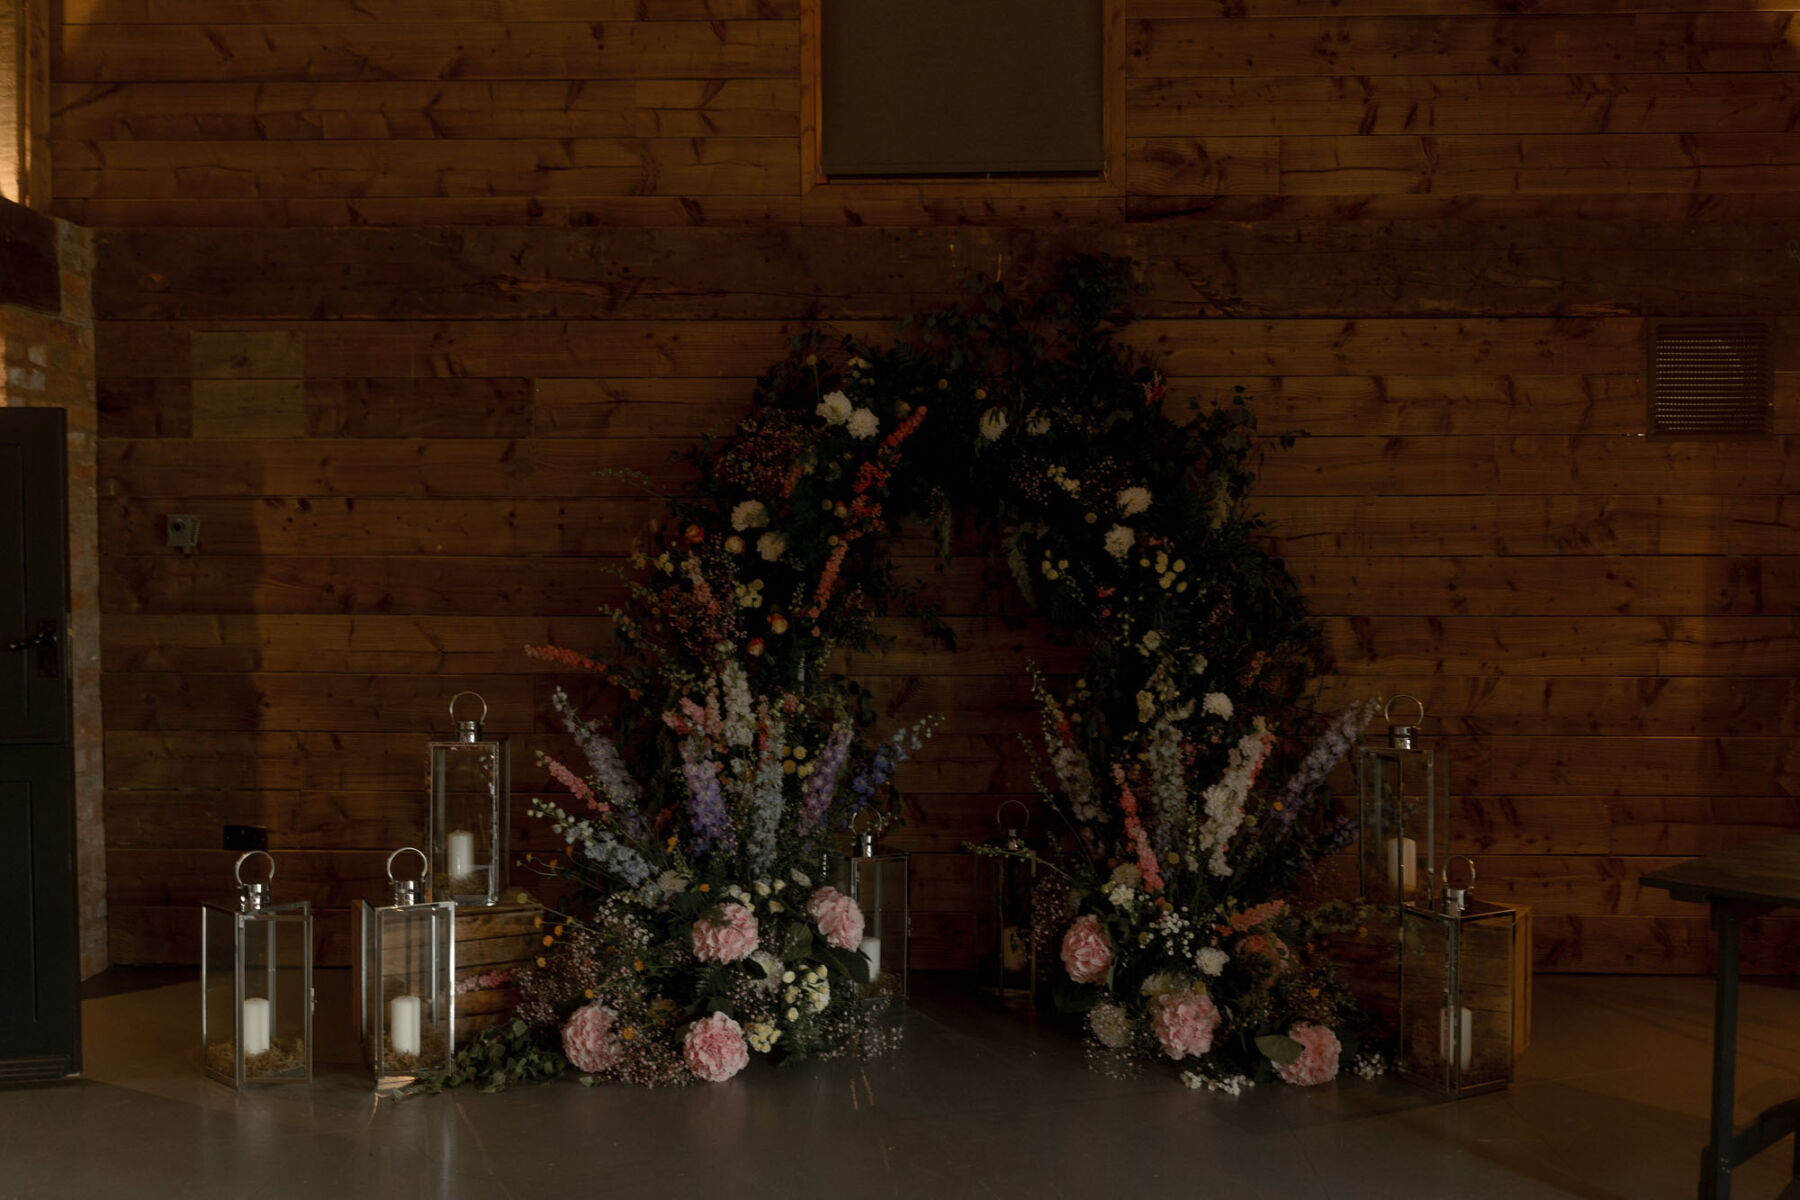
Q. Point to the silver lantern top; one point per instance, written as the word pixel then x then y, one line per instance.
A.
pixel 1400 737
pixel 253 895
pixel 466 730
pixel 405 892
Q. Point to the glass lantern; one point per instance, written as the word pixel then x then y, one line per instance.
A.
pixel 880 884
pixel 1403 815
pixel 405 980
pixel 256 994
pixel 1456 990
pixel 1013 971
pixel 471 802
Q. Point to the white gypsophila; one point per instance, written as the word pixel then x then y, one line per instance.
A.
pixel 1134 500
pixel 771 546
pixel 993 424
pixel 1210 960
pixel 863 424
pixel 1119 540
pixel 740 715
pixel 1037 424
pixel 751 514
pixel 1218 704
pixel 1111 1025
pixel 835 408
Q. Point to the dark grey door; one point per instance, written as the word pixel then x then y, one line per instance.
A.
pixel 40 1031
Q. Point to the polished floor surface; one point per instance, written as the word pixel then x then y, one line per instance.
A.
pixel 1610 1105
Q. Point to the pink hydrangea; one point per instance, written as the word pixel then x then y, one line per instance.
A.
pixel 1318 1061
pixel 714 1048
pixel 1184 1023
pixel 838 917
pixel 731 937
pixel 1086 954
pixel 589 1041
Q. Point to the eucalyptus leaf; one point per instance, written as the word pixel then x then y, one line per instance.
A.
pixel 1280 1049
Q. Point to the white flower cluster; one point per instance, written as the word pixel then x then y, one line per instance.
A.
pixel 993 424
pixel 740 713
pixel 863 424
pixel 1119 540
pixel 1111 1025
pixel 809 987
pixel 762 1036
pixel 1134 500
pixel 1218 704
pixel 1231 1085
pixel 1369 1065
pixel 835 408
pixel 1210 960
pixel 751 514
pixel 1037 424
pixel 772 546
pixel 1225 799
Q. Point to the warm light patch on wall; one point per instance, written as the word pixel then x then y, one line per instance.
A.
pixel 12 87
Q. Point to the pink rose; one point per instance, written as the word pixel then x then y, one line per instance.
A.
pixel 1086 953
pixel 838 917
pixel 1318 1061
pixel 1184 1023
pixel 714 1048
pixel 588 1039
pixel 729 938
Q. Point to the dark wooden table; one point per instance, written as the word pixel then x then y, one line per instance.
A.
pixel 1742 882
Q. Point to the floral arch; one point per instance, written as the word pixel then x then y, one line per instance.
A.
pixel 701 831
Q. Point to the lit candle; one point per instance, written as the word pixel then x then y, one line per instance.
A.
pixel 871 948
pixel 1465 1023
pixel 256 1026
pixel 403 1025
pixel 1402 864
pixel 459 850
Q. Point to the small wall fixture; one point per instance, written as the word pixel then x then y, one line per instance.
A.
pixel 1709 378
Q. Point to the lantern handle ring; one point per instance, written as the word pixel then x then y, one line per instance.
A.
pixel 1001 823
pixel 1388 710
pixel 237 869
pixel 1452 861
pixel 424 863
pixel 484 706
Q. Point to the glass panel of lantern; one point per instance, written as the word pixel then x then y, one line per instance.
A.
pixel 880 885
pixel 1456 990
pixel 405 980
pixel 1013 971
pixel 471 785
pixel 1403 816
pixel 256 985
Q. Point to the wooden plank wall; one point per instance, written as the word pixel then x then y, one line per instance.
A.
pixel 380 292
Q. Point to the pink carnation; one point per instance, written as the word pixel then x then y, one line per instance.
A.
pixel 1318 1061
pixel 728 939
pixel 838 917
pixel 1184 1023
pixel 588 1039
pixel 1086 953
pixel 714 1048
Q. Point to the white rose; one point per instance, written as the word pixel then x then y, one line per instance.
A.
pixel 1119 540
pixel 1210 959
pixel 751 514
pixel 1218 704
pixel 863 424
pixel 1134 500
pixel 835 408
pixel 771 546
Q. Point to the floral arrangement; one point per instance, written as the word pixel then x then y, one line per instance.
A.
pixel 703 927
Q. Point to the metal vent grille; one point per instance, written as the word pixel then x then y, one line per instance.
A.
pixel 1710 379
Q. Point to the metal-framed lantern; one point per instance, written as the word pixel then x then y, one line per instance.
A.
pixel 471 806
pixel 1403 815
pixel 1457 998
pixel 881 885
pixel 256 991
pixel 405 980
pixel 1013 970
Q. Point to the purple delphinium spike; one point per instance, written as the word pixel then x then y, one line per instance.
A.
pixel 706 801
pixel 821 785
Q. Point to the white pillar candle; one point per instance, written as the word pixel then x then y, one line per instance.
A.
pixel 403 1025
pixel 1465 1023
pixel 459 851
pixel 1403 865
pixel 256 1026
pixel 871 948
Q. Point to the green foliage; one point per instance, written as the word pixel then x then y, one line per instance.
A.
pixel 495 1059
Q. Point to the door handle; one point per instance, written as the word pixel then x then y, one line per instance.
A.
pixel 44 641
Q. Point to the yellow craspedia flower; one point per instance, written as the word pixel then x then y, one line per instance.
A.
pixel 629 1033
pixel 588 992
pixel 542 961
pixel 548 940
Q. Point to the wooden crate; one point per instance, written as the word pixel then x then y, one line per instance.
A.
pixel 504 937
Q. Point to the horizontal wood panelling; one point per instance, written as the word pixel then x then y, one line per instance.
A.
pixel 1427 233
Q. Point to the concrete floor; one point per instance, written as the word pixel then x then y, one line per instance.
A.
pixel 1610 1105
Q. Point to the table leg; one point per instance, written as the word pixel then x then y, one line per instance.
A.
pixel 1715 1160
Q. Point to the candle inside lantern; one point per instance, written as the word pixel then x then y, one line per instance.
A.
pixel 871 948
pixel 403 1025
pixel 1465 1022
pixel 459 851
pixel 256 1026
pixel 1403 864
